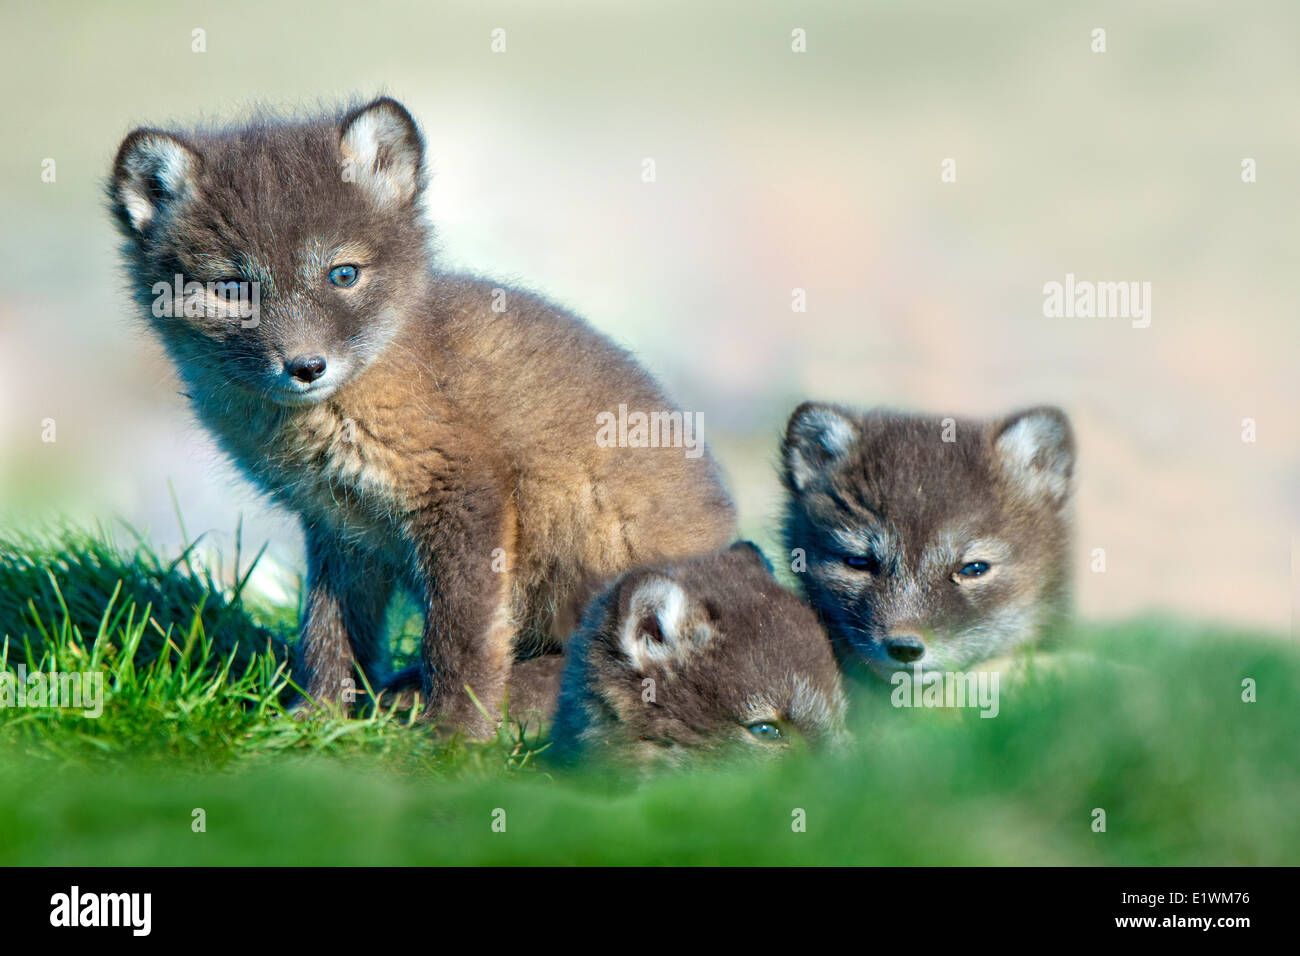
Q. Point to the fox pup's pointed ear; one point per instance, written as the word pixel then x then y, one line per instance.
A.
pixel 153 170
pixel 653 620
pixel 382 151
pixel 750 550
pixel 1036 449
pixel 817 438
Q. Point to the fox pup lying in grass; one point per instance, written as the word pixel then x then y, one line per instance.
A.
pixel 702 657
pixel 432 432
pixel 929 542
pixel 708 656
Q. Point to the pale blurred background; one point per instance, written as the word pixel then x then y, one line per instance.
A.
pixel 775 170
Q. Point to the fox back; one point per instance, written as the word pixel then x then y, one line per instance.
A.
pixel 927 541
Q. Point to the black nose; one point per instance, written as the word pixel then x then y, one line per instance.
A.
pixel 905 647
pixel 305 368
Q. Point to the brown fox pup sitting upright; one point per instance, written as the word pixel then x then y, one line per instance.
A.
pixel 929 542
pixel 435 433
pixel 706 657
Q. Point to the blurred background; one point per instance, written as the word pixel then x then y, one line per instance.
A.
pixel 775 170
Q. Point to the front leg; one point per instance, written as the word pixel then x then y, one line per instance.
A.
pixel 466 553
pixel 343 625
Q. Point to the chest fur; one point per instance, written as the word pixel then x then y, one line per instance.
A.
pixel 324 465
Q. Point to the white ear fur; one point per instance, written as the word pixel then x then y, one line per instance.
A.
pixel 382 152
pixel 817 437
pixel 153 170
pixel 653 630
pixel 1036 448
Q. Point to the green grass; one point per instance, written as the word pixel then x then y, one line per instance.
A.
pixel 1147 723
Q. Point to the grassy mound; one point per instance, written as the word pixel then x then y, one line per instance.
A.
pixel 1145 721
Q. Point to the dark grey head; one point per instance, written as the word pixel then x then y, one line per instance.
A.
pixel 294 245
pixel 929 541
pixel 709 656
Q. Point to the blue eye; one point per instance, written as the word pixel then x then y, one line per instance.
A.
pixel 344 276
pixel 974 569
pixel 863 562
pixel 766 732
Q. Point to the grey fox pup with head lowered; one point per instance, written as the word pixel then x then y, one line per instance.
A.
pixel 435 433
pixel 927 541
pixel 703 657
